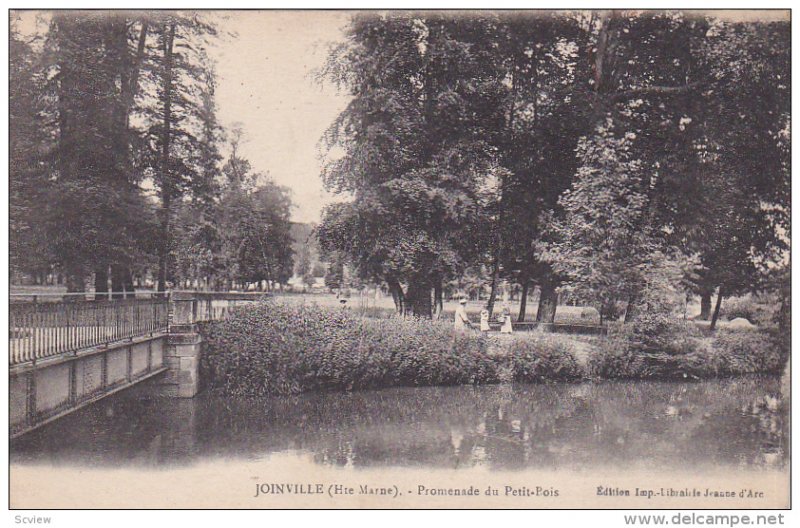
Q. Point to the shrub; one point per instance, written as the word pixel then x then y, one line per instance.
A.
pixel 615 359
pixel 658 333
pixel 545 358
pixel 744 307
pixel 655 345
pixel 747 351
pixel 272 348
pixel 625 354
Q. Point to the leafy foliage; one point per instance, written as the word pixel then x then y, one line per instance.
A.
pixel 29 142
pixel 272 348
pixel 679 354
pixel 415 153
pixel 546 358
pixel 746 308
pixel 748 351
pixel 278 349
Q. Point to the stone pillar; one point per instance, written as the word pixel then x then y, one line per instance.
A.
pixel 182 354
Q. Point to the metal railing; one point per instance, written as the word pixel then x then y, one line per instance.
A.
pixel 55 324
pixel 43 297
pixel 46 329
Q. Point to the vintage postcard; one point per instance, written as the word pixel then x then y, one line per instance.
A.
pixel 313 259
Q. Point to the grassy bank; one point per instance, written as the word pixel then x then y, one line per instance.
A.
pixel 274 348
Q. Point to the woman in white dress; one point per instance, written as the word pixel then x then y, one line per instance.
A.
pixel 505 317
pixel 461 321
pixel 484 320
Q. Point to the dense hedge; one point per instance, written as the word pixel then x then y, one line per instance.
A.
pixel 747 308
pixel 543 358
pixel 747 351
pixel 274 348
pixel 678 352
pixel 271 348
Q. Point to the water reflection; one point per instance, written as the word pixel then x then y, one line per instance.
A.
pixel 727 423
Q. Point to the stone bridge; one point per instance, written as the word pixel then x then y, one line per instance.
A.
pixel 65 354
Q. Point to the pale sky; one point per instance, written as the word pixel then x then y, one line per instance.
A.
pixel 265 83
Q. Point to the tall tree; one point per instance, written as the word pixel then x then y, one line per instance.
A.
pixel 31 137
pixel 89 70
pixel 546 115
pixel 253 219
pixel 416 158
pixel 176 79
pixel 659 81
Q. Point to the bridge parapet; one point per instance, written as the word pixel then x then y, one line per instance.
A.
pixel 64 355
pixel 52 329
pixel 197 307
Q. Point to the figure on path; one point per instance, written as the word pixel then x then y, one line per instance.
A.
pixel 484 320
pixel 505 317
pixel 462 321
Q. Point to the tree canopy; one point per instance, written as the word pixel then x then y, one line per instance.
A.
pixel 585 150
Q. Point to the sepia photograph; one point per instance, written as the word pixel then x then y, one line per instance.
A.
pixel 399 259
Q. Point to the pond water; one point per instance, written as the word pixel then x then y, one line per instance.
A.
pixel 723 424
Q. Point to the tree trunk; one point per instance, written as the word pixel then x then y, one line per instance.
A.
pixel 117 282
pixel 714 318
pixel 101 283
pixel 438 300
pixel 74 280
pixel 131 87
pixel 493 289
pixel 397 295
pixel 548 302
pixel 128 283
pixel 163 250
pixel 607 311
pixel 418 299
pixel 166 183
pixel 705 305
pixel 523 301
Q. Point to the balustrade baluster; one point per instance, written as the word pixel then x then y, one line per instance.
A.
pixel 15 341
pixel 36 337
pixel 23 327
pixel 94 324
pixel 84 312
pixel 23 349
pixel 46 324
pixel 67 330
pixel 79 327
pixel 23 336
pixel 44 329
